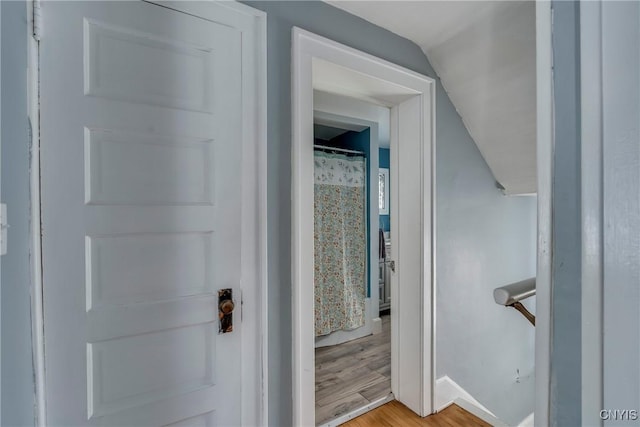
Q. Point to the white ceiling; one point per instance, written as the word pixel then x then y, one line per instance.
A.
pixel 484 54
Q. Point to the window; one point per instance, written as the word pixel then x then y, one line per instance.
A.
pixel 383 191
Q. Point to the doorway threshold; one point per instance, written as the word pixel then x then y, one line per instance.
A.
pixel 353 414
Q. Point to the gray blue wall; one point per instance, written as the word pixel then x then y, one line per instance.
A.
pixel 484 239
pixel 17 372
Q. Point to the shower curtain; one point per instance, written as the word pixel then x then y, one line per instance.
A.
pixel 339 242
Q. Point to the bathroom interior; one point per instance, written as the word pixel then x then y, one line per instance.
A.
pixel 352 267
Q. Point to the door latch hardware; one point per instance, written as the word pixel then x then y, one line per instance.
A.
pixel 225 310
pixel 392 265
pixel 3 229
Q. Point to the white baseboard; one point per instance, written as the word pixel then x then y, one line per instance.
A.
pixel 339 337
pixel 527 422
pixel 376 326
pixel 480 413
pixel 448 392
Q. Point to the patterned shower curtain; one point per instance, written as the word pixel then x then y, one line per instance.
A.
pixel 339 242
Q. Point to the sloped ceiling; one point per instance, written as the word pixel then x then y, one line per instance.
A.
pixel 484 54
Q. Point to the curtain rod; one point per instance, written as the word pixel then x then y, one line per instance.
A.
pixel 337 149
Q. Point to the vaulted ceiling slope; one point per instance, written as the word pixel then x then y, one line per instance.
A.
pixel 484 54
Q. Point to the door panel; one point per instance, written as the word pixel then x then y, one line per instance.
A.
pixel 141 190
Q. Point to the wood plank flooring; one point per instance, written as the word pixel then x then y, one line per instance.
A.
pixel 353 374
pixel 395 414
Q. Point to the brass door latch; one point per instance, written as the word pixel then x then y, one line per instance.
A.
pixel 225 310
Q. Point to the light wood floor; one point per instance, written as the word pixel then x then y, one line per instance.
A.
pixel 353 374
pixel 395 414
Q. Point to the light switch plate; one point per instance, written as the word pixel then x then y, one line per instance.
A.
pixel 3 229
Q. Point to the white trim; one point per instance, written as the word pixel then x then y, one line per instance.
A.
pixel 478 412
pixel 448 391
pixel 255 107
pixel 393 224
pixel 0 200
pixel 353 108
pixel 592 211
pixel 354 414
pixel 263 148
pixel 37 313
pixel 529 421
pixel 431 161
pixel 544 97
pixel 259 104
pixel 307 47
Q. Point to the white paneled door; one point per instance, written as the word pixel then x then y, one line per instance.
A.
pixel 144 175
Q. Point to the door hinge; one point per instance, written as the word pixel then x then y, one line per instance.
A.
pixel 37 20
pixel 3 229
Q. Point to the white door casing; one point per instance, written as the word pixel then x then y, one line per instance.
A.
pixel 150 204
pixel 610 206
pixel 412 320
pixel 411 97
pixel 0 193
pixel 544 159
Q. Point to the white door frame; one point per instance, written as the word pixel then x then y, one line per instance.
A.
pixel 307 47
pixel 253 25
pixel 592 198
pixel 0 196
pixel 593 103
pixel 544 147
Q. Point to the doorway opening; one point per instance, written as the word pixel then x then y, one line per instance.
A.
pixel 351 290
pixel 323 66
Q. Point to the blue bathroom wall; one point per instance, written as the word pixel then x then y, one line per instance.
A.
pixel 352 140
pixel 385 162
pixel 358 141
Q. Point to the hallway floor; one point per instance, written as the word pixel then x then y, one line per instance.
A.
pixel 353 374
pixel 395 414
